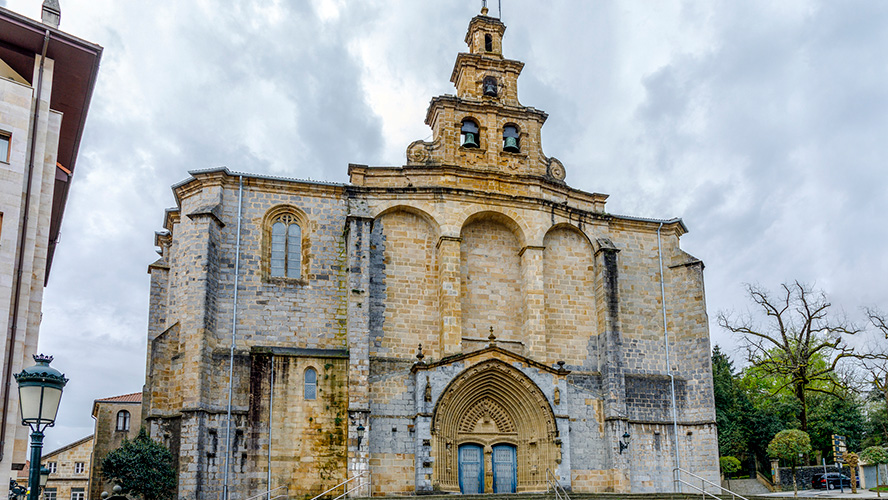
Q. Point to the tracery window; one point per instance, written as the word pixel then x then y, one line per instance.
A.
pixel 286 247
pixel 123 420
pixel 311 384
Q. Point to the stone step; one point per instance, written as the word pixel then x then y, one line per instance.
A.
pixel 573 496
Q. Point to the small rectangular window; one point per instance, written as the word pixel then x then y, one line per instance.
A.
pixel 52 467
pixel 79 467
pixel 49 494
pixel 77 494
pixel 5 139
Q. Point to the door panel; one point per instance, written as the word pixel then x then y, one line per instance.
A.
pixel 505 469
pixel 471 469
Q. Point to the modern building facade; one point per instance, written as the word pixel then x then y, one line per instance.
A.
pixel 466 322
pixel 46 82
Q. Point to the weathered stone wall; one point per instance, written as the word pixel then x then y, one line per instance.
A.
pixel 304 440
pixel 108 438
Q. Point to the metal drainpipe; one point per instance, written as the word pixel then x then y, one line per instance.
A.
pixel 270 417
pixel 240 207
pixel 13 324
pixel 668 363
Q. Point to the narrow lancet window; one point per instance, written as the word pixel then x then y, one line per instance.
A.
pixel 488 43
pixel 311 384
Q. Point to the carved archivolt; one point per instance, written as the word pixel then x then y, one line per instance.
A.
pixel 488 404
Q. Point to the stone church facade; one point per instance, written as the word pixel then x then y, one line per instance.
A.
pixel 466 322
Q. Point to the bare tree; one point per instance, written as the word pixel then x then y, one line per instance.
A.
pixel 799 342
pixel 875 362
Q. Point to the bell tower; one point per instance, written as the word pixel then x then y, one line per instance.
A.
pixel 484 126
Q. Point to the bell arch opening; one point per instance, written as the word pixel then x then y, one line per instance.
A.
pixel 495 406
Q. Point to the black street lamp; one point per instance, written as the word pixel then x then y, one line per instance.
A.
pixel 40 391
pixel 44 477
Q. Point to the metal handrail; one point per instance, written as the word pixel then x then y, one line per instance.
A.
pixel 555 485
pixel 359 485
pixel 360 475
pixel 269 492
pixel 676 476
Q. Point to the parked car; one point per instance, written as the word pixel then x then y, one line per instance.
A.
pixel 831 481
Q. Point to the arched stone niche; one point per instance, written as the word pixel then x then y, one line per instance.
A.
pixel 494 403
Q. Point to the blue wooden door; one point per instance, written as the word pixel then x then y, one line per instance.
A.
pixel 471 469
pixel 505 470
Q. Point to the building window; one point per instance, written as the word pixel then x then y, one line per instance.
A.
pixel 311 384
pixel 49 494
pixel 469 134
pixel 123 420
pixel 286 247
pixel 5 140
pixel 79 467
pixel 511 139
pixel 489 86
pixel 77 494
pixel 488 43
pixel 52 466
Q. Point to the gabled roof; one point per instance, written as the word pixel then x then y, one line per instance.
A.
pixel 135 397
pixel 69 446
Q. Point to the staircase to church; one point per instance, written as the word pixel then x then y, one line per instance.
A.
pixel 573 496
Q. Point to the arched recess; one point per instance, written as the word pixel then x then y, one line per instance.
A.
pixel 506 220
pixel 491 278
pixel 493 403
pixel 404 283
pixel 569 287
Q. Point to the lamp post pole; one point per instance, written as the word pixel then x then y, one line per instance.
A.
pixel 40 391
pixel 34 473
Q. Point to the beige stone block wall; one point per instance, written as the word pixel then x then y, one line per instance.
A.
pixel 599 481
pixel 411 313
pixel 491 281
pixel 569 277
pixel 393 473
pixel 65 478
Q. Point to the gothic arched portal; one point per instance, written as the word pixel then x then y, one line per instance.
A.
pixel 489 405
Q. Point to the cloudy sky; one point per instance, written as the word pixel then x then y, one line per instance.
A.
pixel 764 125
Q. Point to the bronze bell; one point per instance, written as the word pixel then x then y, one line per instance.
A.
pixel 511 145
pixel 471 141
pixel 490 88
